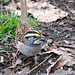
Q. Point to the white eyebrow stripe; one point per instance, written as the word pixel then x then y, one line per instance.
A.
pixel 28 35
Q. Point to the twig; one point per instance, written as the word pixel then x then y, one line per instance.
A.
pixel 48 52
pixel 69 9
pixel 49 68
pixel 40 63
pixel 24 18
pixel 23 65
pixel 67 46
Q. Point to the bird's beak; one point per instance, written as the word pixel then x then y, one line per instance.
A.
pixel 42 38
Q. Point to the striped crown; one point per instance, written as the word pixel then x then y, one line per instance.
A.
pixel 33 33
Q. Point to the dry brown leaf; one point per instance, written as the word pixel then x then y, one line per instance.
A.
pixel 18 61
pixel 1 47
pixel 45 47
pixel 33 4
pixel 45 12
pixel 71 62
pixel 28 1
pixel 17 12
pixel 72 51
pixel 1 73
pixel 1 59
pixel 23 72
pixel 11 6
pixel 66 57
pixel 52 47
pixel 9 72
pixel 53 64
pixel 12 3
pixel 19 5
pixel 63 61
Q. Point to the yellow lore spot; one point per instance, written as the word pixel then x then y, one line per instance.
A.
pixel 37 35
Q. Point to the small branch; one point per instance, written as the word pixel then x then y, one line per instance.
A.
pixel 40 63
pixel 67 46
pixel 69 9
pixel 24 18
pixel 49 68
pixel 23 65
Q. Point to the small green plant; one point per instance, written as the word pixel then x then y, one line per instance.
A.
pixel 9 22
pixel 5 0
pixel 33 22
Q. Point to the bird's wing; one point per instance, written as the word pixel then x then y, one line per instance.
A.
pixel 21 30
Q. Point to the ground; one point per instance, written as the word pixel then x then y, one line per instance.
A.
pixel 58 31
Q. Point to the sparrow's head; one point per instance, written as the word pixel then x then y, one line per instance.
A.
pixel 34 33
pixel 32 36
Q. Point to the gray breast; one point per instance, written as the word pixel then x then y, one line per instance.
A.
pixel 29 50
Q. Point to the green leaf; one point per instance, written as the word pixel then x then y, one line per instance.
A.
pixel 9 22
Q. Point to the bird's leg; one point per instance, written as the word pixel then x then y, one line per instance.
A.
pixel 35 59
pixel 17 52
pixel 15 55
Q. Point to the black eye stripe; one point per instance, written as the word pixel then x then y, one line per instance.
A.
pixel 30 32
pixel 26 37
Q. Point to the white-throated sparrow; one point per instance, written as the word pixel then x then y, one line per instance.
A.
pixel 32 43
pixel 28 40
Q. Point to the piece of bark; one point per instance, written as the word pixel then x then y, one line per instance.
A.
pixel 24 18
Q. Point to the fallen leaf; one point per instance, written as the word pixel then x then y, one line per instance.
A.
pixel 45 12
pixel 71 62
pixel 9 72
pixel 23 72
pixel 12 3
pixel 18 61
pixel 72 51
pixel 1 73
pixel 53 47
pixel 13 66
pixel 53 64
pixel 1 47
pixel 17 12
pixel 45 47
pixel 66 57
pixel 1 59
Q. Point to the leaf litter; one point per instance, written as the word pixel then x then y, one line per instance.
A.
pixel 42 11
pixel 59 57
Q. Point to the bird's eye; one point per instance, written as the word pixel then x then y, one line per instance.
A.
pixel 35 37
pixel 26 37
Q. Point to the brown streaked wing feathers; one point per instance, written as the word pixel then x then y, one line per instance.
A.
pixel 21 30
